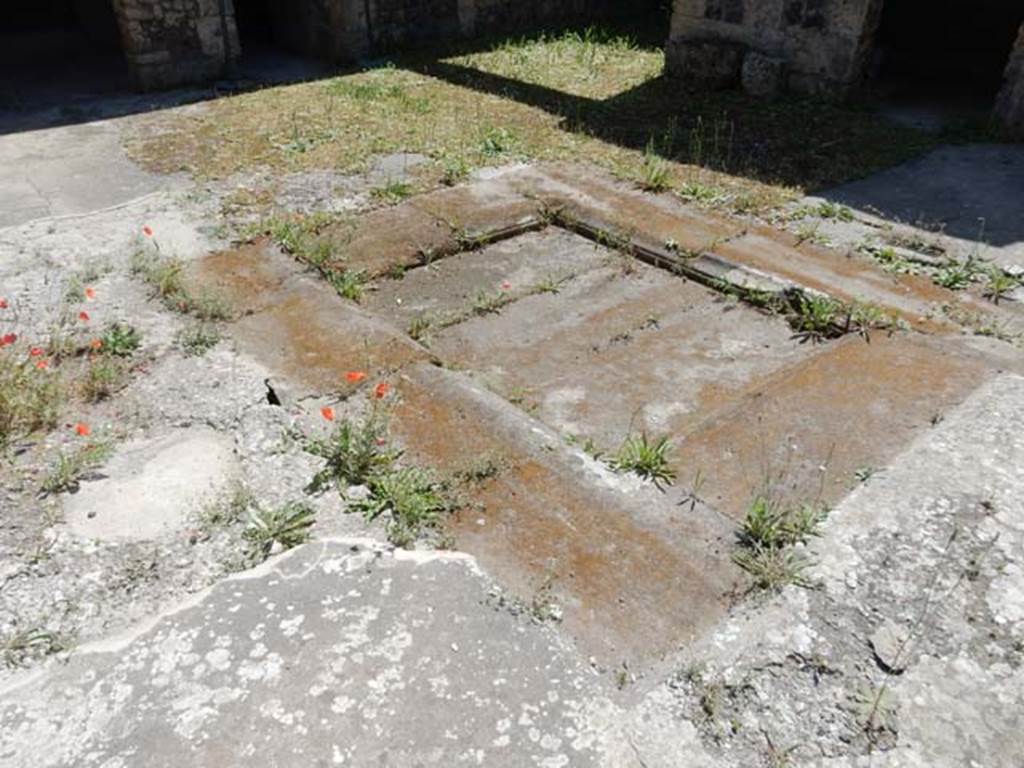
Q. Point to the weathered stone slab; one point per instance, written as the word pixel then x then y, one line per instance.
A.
pixel 150 487
pixel 339 653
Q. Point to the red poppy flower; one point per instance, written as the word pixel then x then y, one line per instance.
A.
pixel 9 338
pixel 83 316
pixel 327 412
pixel 147 231
pixel 36 352
pixel 354 377
pixel 3 303
pixel 90 293
pixel 506 286
pixel 82 429
pixel 42 365
pixel 381 390
pixel 96 343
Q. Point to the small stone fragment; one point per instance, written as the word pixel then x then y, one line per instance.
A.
pixel 891 645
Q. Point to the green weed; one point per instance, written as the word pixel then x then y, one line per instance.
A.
pixel 120 339
pixel 412 499
pixel 286 527
pixel 71 467
pixel 645 458
pixel 352 453
pixel 198 338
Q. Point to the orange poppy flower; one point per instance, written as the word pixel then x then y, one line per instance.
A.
pixel 90 293
pixel 381 390
pixel 327 412
pixel 96 343
pixel 42 365
pixel 82 429
pixel 354 377
pixel 83 316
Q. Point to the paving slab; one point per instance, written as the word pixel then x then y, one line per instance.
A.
pixel 151 487
pixel 971 194
pixel 339 653
pixel 614 354
pixel 634 574
pixel 805 431
pixel 511 268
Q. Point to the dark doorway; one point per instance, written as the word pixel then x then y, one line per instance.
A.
pixel 59 50
pixel 949 53
pixel 277 39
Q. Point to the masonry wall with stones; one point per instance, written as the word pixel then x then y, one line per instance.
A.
pixel 810 46
pixel 1010 104
pixel 806 45
pixel 170 42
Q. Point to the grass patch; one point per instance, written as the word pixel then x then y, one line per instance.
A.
pixel 392 192
pixel 103 377
pixel 768 541
pixel 277 529
pixel 645 458
pixel 352 453
pixel 71 467
pixel 411 498
pixel 120 340
pixel 596 95
pixel 198 338
pixel 165 276
pixel 29 397
pixel 20 646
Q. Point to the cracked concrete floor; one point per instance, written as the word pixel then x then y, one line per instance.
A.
pixel 345 651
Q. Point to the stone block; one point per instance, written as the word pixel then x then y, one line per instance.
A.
pixel 763 75
pixel 707 63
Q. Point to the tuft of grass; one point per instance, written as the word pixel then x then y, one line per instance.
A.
pixel 655 174
pixel 352 453
pixel 71 467
pixel 833 211
pixel 645 458
pixel 412 498
pixel 491 304
pixel 103 378
pixel 454 169
pixel 282 527
pixel 18 647
pixel 817 317
pixel 120 339
pixel 392 192
pixel 29 398
pixel 349 283
pixel 998 285
pixel 419 328
pixel 958 275
pixel 695 192
pixel 498 141
pixel 166 278
pixel 768 539
pixel 226 511
pixel 198 338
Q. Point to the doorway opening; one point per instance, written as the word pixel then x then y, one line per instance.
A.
pixel 277 41
pixel 945 56
pixel 52 51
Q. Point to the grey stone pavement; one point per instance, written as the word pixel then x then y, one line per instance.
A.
pixel 970 198
pixel 344 652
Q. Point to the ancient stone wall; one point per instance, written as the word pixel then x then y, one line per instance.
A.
pixel 769 45
pixel 1010 104
pixel 170 42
